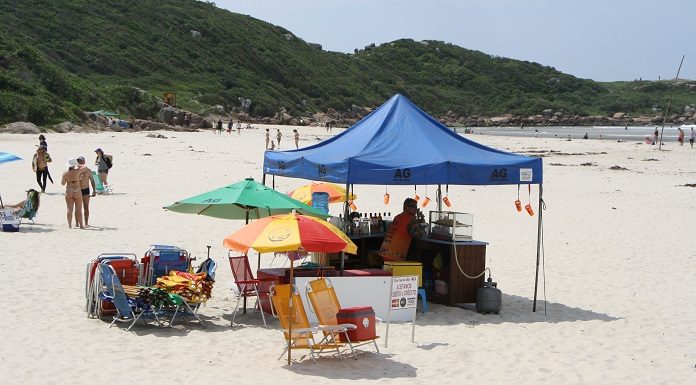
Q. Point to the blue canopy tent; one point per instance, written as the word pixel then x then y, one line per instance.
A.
pixel 399 144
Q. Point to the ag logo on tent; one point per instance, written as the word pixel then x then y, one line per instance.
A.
pixel 402 173
pixel 499 174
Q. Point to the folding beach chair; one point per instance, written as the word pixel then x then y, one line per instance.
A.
pixel 247 285
pixel 127 269
pixel 127 310
pixel 324 301
pixel 28 211
pixel 302 334
pixel 159 260
pixel 99 186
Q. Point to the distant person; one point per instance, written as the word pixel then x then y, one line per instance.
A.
pixel 35 201
pixel 86 180
pixel 279 136
pixel 219 126
pixel 692 137
pixel 39 164
pixel 229 127
pixel 239 127
pixel 327 126
pixel 268 138
pixel 42 141
pixel 626 128
pixel 104 163
pixel 73 196
pixel 680 136
pixel 273 146
pixel 297 138
pixel 657 135
pixel 585 136
pixel 187 120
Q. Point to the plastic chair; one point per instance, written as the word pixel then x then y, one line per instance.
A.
pixel 424 300
pixel 302 334
pixel 247 285
pixel 324 301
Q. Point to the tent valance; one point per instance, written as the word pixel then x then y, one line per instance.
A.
pixel 399 144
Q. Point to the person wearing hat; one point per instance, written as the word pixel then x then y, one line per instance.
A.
pixel 39 164
pixel 103 163
pixel 85 180
pixel 42 141
pixel 73 195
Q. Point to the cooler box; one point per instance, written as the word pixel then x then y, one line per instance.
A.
pixel 10 222
pixel 405 268
pixel 361 316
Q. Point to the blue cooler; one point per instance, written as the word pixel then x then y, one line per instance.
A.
pixel 10 222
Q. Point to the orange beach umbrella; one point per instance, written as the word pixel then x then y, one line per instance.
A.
pixel 336 192
pixel 290 232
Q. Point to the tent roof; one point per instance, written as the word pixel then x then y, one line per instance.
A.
pixel 399 144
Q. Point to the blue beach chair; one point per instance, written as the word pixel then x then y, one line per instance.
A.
pixel 159 260
pixel 127 310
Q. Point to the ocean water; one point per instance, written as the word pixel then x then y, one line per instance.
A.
pixel 632 133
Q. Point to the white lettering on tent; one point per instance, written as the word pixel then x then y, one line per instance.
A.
pixel 526 175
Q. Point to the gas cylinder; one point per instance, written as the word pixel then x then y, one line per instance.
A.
pixel 489 298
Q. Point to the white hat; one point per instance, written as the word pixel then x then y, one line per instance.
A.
pixel 72 162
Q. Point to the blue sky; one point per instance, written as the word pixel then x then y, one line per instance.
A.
pixel 604 40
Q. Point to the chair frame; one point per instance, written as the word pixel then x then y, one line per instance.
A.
pixel 302 336
pixel 325 319
pixel 246 284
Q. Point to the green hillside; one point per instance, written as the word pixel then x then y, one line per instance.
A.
pixel 58 58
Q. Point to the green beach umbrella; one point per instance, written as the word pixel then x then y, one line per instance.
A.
pixel 246 199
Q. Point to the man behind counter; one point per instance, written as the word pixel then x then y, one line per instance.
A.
pixel 404 227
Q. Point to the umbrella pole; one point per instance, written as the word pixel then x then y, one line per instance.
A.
pixel 291 315
pixel 536 274
pixel 438 196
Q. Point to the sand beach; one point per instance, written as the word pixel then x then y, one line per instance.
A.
pixel 616 305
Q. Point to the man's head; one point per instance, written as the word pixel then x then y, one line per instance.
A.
pixel 41 149
pixel 81 160
pixel 410 206
pixel 41 137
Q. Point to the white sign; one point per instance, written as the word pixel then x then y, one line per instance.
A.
pixel 404 293
pixel 526 175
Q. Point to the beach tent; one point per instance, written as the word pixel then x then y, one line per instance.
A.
pixel 399 144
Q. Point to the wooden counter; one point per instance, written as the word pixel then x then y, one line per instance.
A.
pixel 472 259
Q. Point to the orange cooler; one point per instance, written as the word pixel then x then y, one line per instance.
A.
pixel 361 316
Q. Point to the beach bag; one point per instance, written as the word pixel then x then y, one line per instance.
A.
pixel 109 161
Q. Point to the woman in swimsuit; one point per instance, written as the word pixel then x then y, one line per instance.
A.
pixel 73 194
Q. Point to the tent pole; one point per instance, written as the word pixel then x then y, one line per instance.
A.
pixel 273 181
pixel 346 223
pixel 536 275
pixel 438 196
pixel 263 179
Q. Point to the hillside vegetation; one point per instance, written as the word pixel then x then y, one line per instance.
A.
pixel 58 58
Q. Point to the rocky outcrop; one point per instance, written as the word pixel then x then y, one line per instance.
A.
pixel 20 128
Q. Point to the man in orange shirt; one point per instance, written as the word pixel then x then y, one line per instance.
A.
pixel 398 238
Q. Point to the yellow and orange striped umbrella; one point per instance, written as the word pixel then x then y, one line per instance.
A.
pixel 290 232
pixel 336 192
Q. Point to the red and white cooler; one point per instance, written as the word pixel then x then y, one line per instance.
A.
pixel 363 317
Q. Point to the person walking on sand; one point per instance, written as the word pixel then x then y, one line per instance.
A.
pixel 39 164
pixel 657 135
pixel 279 136
pixel 229 127
pixel 219 126
pixel 268 138
pixel 297 138
pixel 680 136
pixel 239 127
pixel 103 163
pixel 73 196
pixel 692 137
pixel 85 180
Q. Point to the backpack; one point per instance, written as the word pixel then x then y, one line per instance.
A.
pixel 109 161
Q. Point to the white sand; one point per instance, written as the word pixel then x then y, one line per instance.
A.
pixel 619 272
